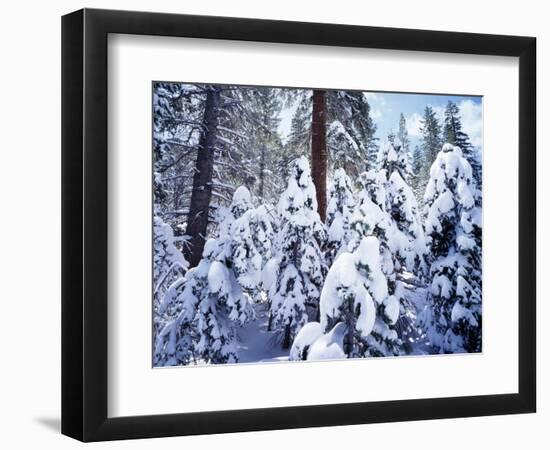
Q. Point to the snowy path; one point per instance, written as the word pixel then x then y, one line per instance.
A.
pixel 256 344
pixel 417 296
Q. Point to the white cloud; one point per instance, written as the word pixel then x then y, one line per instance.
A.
pixel 375 113
pixel 471 115
pixel 414 124
pixel 377 104
pixel 375 98
pixel 439 113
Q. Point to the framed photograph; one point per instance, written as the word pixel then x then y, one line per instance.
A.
pixel 273 224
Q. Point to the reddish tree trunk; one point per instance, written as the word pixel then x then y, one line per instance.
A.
pixel 319 150
pixel 197 219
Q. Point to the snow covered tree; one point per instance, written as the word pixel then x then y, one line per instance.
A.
pixel 264 229
pixel 403 135
pixel 299 262
pixel 339 215
pixel 431 141
pixel 307 335
pixel 371 218
pixel 264 144
pixel 351 140
pixel 250 246
pixel 213 298
pixel 199 130
pixel 177 112
pixel 401 203
pixel 452 317
pixel 454 134
pixel 168 262
pixel 222 304
pixel 403 209
pixel 356 293
pixel 404 235
pixel 351 132
pixel 393 157
pixel 329 345
pixel 418 182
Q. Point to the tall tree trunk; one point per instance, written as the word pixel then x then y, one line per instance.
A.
pixel 197 219
pixel 319 150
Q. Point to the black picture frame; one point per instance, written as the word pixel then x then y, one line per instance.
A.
pixel 84 224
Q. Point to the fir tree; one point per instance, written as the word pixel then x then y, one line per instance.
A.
pixel 404 234
pixel 371 218
pixel 431 140
pixel 452 317
pixel 355 294
pixel 299 262
pixel 418 182
pixel 351 140
pixel 403 134
pixel 264 144
pixel 454 134
pixel 213 299
pixel 168 263
pixel 339 215
pixel 351 132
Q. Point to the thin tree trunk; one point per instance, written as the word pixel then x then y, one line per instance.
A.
pixel 350 323
pixel 319 150
pixel 197 219
pixel 286 339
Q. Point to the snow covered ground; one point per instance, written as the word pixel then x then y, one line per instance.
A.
pixel 417 296
pixel 256 344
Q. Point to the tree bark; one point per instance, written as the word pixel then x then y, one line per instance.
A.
pixel 350 324
pixel 319 150
pixel 286 339
pixel 197 219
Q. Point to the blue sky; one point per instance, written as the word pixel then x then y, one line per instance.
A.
pixel 386 108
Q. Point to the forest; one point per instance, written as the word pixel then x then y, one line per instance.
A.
pixel 307 224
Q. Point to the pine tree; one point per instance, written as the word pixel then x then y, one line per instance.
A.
pixel 177 109
pixel 299 262
pixel 213 299
pixel 355 293
pixel 404 235
pixel 174 341
pixel 431 140
pixel 198 130
pixel 371 218
pixel 454 134
pixel 403 135
pixel 339 215
pixel 351 140
pixel 403 209
pixel 222 305
pixel 418 183
pixel 452 318
pixel 394 157
pixel 168 262
pixel 264 143
pixel 351 132
pixel 401 203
